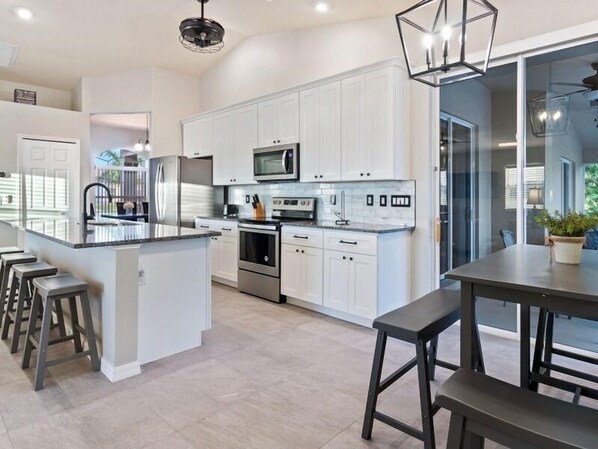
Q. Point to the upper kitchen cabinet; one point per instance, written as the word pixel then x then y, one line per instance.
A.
pixel 235 137
pixel 374 126
pixel 320 132
pixel 278 121
pixel 198 137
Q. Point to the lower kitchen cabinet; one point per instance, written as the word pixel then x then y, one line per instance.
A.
pixel 301 275
pixel 354 276
pixel 225 249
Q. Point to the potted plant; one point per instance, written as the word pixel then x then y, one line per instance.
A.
pixel 567 233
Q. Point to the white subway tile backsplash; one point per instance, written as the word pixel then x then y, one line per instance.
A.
pixel 355 199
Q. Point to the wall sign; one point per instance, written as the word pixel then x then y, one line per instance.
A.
pixel 25 96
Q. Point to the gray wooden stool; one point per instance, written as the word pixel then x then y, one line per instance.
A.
pixel 22 278
pixel 7 250
pixel 46 291
pixel 418 322
pixel 7 261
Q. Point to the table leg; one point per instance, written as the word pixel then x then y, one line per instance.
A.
pixel 524 347
pixel 467 325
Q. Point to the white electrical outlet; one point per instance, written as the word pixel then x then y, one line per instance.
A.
pixel 141 276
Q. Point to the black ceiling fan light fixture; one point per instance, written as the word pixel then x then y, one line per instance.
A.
pixel 200 34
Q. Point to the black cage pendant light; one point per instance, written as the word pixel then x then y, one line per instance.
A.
pixel 435 35
pixel 201 34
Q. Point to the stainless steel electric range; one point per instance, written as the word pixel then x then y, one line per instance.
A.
pixel 259 246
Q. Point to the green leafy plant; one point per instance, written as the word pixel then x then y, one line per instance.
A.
pixel 572 224
pixel 591 181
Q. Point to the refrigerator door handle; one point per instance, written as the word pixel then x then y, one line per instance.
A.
pixel 161 189
pixel 157 192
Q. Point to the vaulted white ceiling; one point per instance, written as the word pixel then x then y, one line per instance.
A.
pixel 68 39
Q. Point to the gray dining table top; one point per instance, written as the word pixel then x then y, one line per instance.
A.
pixel 528 268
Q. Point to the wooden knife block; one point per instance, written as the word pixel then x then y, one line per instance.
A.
pixel 259 211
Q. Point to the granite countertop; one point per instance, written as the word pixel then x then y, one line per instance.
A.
pixel 69 232
pixel 354 226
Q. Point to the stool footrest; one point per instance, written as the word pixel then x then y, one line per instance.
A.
pixel 569 371
pixel 446 365
pixel 61 340
pixel 68 358
pixel 397 375
pixel 573 355
pixel 389 421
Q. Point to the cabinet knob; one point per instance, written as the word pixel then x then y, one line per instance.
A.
pixel 315 176
pixel 302 252
pixel 368 174
pixel 350 258
pixel 344 258
pixel 274 141
pixel 360 174
pixel 321 176
pixel 296 250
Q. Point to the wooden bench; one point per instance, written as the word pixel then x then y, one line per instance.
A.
pixel 484 407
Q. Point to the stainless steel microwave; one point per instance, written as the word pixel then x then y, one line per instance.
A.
pixel 276 163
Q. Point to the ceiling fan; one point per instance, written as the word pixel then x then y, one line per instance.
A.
pixel 589 84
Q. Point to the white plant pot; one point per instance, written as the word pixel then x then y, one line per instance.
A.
pixel 567 249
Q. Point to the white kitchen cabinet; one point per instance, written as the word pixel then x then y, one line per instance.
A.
pixel 374 126
pixel 198 137
pixel 278 121
pixel 235 137
pixel 320 133
pixel 301 275
pixel 224 145
pixel 245 131
pixel 350 283
pixel 225 249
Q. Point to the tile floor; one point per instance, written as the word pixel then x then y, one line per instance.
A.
pixel 268 376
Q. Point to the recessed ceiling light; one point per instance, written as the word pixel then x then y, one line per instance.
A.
pixel 322 6
pixel 24 13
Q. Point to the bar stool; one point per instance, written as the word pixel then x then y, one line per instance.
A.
pixel 418 322
pixel 7 261
pixel 46 291
pixel 7 250
pixel 22 277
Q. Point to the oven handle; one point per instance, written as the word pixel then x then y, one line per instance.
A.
pixel 285 166
pixel 255 226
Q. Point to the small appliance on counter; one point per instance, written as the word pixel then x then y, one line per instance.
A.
pixel 230 210
pixel 259 245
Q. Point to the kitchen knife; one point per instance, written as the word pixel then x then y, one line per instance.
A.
pixel 257 199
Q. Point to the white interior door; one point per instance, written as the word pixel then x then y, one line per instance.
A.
pixel 50 171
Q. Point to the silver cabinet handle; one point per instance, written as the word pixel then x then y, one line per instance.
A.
pixel 347 243
pixel 204 226
pixel 226 229
pixel 300 237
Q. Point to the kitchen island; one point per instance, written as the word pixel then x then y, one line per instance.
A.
pixel 150 288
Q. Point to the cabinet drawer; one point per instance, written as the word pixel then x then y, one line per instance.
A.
pixel 227 228
pixel 311 237
pixel 204 224
pixel 352 242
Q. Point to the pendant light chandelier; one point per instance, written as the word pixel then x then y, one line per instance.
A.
pixel 139 146
pixel 200 34
pixel 549 111
pixel 434 35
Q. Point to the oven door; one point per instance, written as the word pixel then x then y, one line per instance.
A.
pixel 280 162
pixel 259 249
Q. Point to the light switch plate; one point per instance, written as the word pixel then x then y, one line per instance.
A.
pixel 369 200
pixel 383 200
pixel 400 201
pixel 247 200
pixel 333 200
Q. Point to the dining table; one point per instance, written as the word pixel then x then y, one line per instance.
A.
pixel 526 275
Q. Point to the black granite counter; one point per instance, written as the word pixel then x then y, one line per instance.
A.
pixel 70 233
pixel 354 226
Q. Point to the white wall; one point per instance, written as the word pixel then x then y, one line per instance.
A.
pixel 174 97
pixel 103 138
pixel 52 98
pixel 167 95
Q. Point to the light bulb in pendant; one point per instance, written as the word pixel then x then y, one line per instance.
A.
pixel 446 32
pixel 428 40
pixel 139 145
pixel 147 145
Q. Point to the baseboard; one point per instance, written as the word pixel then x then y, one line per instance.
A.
pixel 366 322
pixel 114 374
pixel 224 281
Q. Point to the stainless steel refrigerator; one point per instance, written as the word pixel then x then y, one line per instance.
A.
pixel 180 190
